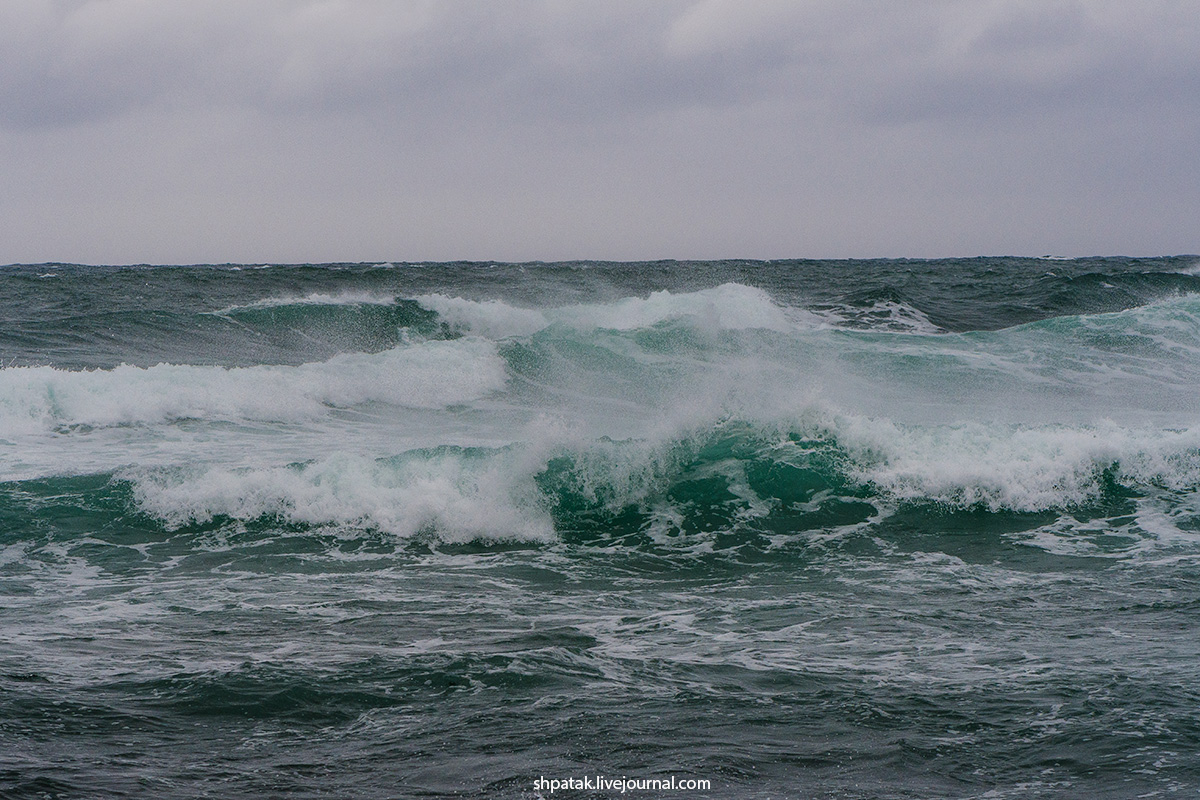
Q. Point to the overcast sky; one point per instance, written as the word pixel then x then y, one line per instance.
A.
pixel 172 131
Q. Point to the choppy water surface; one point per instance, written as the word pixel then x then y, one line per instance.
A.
pixel 868 529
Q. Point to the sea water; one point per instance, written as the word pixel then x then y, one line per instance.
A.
pixel 798 529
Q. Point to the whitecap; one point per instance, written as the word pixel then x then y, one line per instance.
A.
pixel 433 374
pixel 455 495
pixel 730 306
pixel 349 298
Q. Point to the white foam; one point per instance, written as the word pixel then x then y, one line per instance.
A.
pixel 730 306
pixel 450 494
pixel 1021 469
pixel 494 319
pixel 885 315
pixel 314 299
pixel 426 375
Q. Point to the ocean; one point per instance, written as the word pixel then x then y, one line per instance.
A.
pixel 788 529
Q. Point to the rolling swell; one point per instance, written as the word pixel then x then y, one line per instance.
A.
pixel 347 323
pixel 754 415
pixel 992 296
pixel 74 316
pixel 406 350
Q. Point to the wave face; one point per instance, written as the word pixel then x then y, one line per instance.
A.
pixel 860 513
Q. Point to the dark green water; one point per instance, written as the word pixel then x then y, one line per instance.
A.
pixel 893 529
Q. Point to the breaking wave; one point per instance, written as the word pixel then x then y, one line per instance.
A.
pixel 432 374
pixel 826 474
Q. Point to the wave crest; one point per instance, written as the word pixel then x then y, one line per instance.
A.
pixel 432 374
pixel 734 479
pixel 730 306
pixel 458 494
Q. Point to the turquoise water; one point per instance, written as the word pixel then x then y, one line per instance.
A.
pixel 853 529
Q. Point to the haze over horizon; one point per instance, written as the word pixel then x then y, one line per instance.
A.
pixel 145 131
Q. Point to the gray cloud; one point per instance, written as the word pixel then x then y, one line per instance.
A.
pixel 328 57
pixel 1025 60
pixel 277 130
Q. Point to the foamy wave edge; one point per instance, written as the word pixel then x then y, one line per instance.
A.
pixel 432 374
pixel 460 494
pixel 730 306
pixel 313 299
